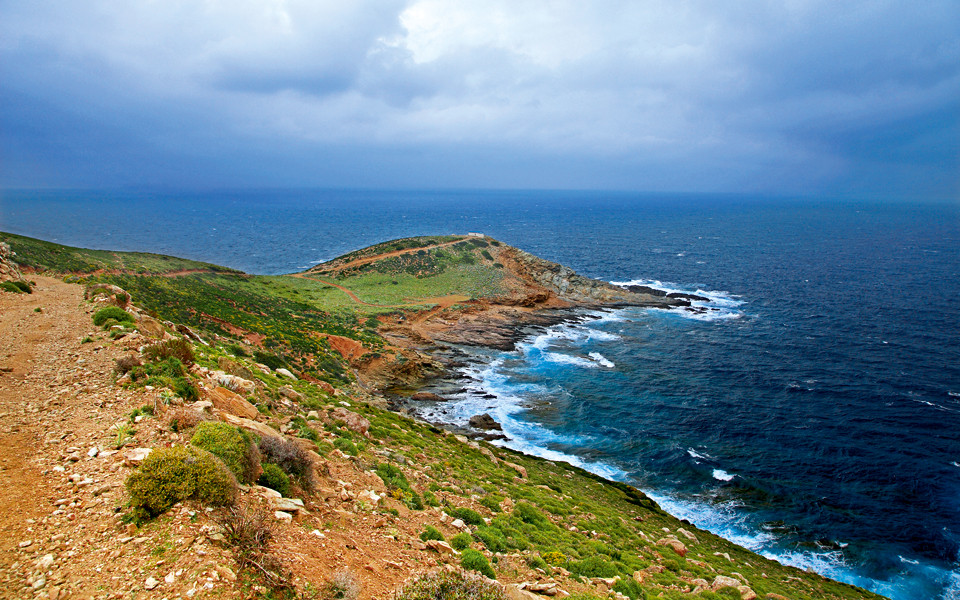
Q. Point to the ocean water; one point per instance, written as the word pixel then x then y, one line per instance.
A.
pixel 810 413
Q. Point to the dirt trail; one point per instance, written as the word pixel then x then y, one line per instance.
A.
pixel 62 479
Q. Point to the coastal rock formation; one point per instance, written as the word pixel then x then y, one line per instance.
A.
pixel 484 421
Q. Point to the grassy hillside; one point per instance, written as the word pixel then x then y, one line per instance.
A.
pixel 528 515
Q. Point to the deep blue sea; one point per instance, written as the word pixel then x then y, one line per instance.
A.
pixel 814 417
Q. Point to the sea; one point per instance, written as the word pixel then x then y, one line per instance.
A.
pixel 810 412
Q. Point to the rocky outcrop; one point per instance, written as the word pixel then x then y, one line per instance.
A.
pixel 9 271
pixel 484 421
pixel 568 285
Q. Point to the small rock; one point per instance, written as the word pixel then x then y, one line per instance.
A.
pixel 135 456
pixel 150 583
pixel 171 577
pixel 226 573
pixel 286 373
pixel 746 593
pixel 723 581
pixel 484 421
pixel 458 524
pixel 93 452
pixel 288 392
pixel 39 582
pixel 285 517
pixel 441 547
pixel 45 562
pixel 25 544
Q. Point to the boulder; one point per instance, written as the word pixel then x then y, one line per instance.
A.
pixel 227 401
pixel 484 421
pixel 723 581
pixel 441 547
pixel 149 327
pixel 515 592
pixel 354 421
pixel 286 373
pixel 746 593
pixel 288 392
pixel 674 544
pixel 259 428
pixel 233 383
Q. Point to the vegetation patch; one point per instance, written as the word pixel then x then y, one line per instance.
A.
pixel 115 313
pixel 446 585
pixel 170 475
pixel 473 560
pixel 232 445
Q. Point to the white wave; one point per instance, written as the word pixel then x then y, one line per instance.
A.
pixel 694 454
pixel 956 464
pixel 566 359
pixel 601 360
pixel 722 305
pixel 721 475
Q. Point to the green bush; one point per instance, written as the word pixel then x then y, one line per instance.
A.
pixel 528 514
pixel 461 541
pixel 492 538
pixel 535 562
pixel 169 372
pixel 593 566
pixel 398 485
pixel 444 585
pixel 492 501
pixel 17 287
pixel 473 560
pixel 346 446
pixel 274 478
pixel 290 457
pixel 629 587
pixel 556 559
pixel 468 516
pixel 112 312
pixel 232 445
pixel 170 475
pixel 431 533
pixel 270 360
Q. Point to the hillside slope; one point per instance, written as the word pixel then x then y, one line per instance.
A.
pixel 80 402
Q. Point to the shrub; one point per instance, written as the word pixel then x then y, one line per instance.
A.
pixel 557 559
pixel 170 475
pixel 237 350
pixel 17 287
pixel 398 485
pixel 593 566
pixel 274 478
pixel 444 585
pixel 248 535
pixel 290 457
pixel 486 255
pixel 342 586
pixel 492 538
pixel 126 363
pixel 528 514
pixel 468 516
pixel 461 541
pixel 231 445
pixel 112 312
pixel 346 446
pixel 473 560
pixel 535 562
pixel 183 419
pixel 630 588
pixel 176 348
pixel 431 533
pixel 492 501
pixel 271 360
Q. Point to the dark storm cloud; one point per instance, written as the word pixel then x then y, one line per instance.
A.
pixel 790 96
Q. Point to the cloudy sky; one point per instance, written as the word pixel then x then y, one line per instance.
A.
pixel 815 97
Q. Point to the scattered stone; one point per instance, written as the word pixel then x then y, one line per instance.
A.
pixel 746 593
pixel 521 470
pixel 354 422
pixel 514 591
pixel 135 456
pixel 723 581
pixel 150 583
pixel 458 524
pixel 288 392
pixel 674 544
pixel 687 535
pixel 286 373
pixel 441 547
pixel 283 516
pixel 45 562
pixel 93 452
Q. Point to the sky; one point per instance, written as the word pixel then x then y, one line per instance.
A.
pixel 809 97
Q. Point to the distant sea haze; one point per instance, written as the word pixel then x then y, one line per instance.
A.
pixel 812 413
